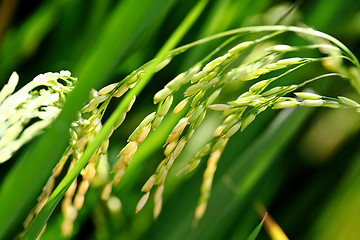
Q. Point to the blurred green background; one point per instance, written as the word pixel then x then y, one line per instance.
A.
pixel 303 165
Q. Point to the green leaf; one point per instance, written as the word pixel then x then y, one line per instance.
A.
pixel 256 231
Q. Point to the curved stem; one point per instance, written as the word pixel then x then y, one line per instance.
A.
pixel 253 29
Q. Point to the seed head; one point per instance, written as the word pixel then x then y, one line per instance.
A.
pixel 180 126
pixel 162 94
pixel 272 91
pixel 106 191
pixel 180 146
pixel 170 147
pixel 259 86
pixel 200 210
pixel 210 79
pixel 129 148
pixel 120 120
pixel 180 106
pixel 308 95
pixel 289 61
pixel 197 98
pixel 143 134
pixel 211 65
pixel 198 76
pixel 240 47
pixel 193 165
pixel 218 144
pixel 220 107
pixel 158 193
pixel 118 176
pixel 213 97
pixel 194 89
pixel 163 64
pixel 107 89
pixel 147 120
pixel 331 104
pixel 142 202
pixel 89 171
pixel 232 130
pixel 279 48
pixel 247 120
pixel 312 103
pixel 285 104
pixel 79 201
pixel 244 101
pixel 9 88
pixel 149 184
pixel 177 82
pixel 219 130
pixel 195 115
pixel 156 123
pixel 348 102
pixel 131 103
pixel 165 106
pixel 157 209
pixel 121 91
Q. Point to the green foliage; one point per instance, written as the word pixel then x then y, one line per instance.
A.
pixel 257 155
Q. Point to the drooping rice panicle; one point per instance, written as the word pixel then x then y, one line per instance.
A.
pixel 213 75
pixel 203 84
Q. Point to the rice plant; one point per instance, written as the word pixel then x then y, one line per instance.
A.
pixel 244 74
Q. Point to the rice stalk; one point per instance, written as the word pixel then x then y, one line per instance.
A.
pixel 204 83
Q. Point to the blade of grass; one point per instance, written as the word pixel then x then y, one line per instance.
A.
pixel 256 231
pixel 40 220
pixel 267 191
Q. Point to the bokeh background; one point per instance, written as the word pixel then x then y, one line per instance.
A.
pixel 304 168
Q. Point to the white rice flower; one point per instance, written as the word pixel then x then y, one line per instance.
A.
pixel 16 109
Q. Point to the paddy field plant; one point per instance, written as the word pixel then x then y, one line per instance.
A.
pixel 246 73
pixel 201 89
